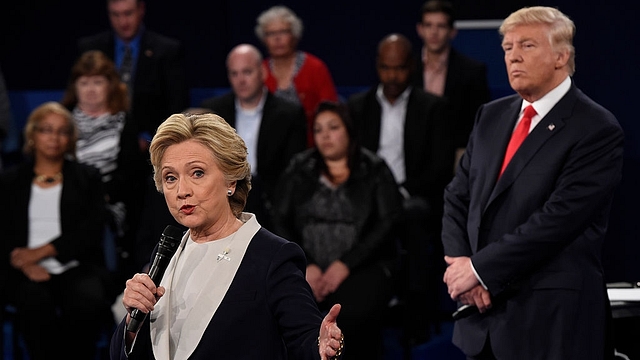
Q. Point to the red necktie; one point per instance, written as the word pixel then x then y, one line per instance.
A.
pixel 521 132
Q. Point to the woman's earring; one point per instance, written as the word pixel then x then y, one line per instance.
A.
pixel 229 192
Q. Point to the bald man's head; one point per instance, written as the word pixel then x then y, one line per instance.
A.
pixel 394 65
pixel 246 74
pixel 398 41
pixel 245 50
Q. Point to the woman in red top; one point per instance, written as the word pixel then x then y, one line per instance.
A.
pixel 292 74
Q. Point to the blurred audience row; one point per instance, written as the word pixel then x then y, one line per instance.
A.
pixel 358 184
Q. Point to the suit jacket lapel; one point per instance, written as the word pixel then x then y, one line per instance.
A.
pixel 145 55
pixel 550 125
pixel 372 119
pixel 269 129
pixel 496 143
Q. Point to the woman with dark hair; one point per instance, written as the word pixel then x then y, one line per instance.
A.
pixel 340 202
pixel 107 140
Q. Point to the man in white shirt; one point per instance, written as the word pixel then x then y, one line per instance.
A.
pixel 409 128
pixel 273 129
pixel 524 246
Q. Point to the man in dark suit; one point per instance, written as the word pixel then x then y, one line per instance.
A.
pixel 273 129
pixel 409 128
pixel 157 80
pixel 443 71
pixel 524 247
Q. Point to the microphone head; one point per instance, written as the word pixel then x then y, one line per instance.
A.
pixel 169 241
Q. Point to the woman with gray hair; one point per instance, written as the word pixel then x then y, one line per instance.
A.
pixel 295 75
pixel 233 290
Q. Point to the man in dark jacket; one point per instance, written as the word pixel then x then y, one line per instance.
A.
pixel 272 128
pixel 409 129
pixel 155 66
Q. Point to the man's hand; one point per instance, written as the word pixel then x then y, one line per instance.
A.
pixel 478 296
pixel 459 276
pixel 22 257
pixel 36 273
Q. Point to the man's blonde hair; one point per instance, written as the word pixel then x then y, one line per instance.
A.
pixel 561 28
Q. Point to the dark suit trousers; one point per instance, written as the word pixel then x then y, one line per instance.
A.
pixel 72 305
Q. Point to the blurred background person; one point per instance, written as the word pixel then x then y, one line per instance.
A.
pixel 444 71
pixel 152 65
pixel 410 130
pixel 292 74
pixel 107 141
pixel 5 116
pixel 272 128
pixel 52 218
pixel 254 302
pixel 341 204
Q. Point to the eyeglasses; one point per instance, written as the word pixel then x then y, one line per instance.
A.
pixel 275 33
pixel 63 132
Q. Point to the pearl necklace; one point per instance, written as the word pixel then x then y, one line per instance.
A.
pixel 49 179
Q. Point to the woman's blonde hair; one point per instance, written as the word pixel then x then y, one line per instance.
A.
pixel 217 135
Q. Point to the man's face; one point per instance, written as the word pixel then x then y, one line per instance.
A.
pixel 435 32
pixel 533 66
pixel 126 17
pixel 393 66
pixel 246 76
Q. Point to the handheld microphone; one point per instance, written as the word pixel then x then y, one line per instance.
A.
pixel 169 242
pixel 464 311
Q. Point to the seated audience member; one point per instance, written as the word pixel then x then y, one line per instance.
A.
pixel 5 116
pixel 292 74
pixel 272 128
pixel 409 129
pixel 53 219
pixel 444 71
pixel 107 141
pixel 152 65
pixel 340 203
pixel 233 289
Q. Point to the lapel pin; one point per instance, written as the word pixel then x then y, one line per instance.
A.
pixel 551 127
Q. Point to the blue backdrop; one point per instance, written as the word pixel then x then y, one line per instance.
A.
pixel 38 38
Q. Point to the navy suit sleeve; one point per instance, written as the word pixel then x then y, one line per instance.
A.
pixel 293 305
pixel 455 237
pixel 574 189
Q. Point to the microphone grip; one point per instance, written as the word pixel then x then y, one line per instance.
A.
pixel 464 311
pixel 137 319
pixel 155 273
pixel 169 242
